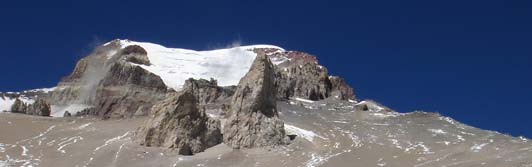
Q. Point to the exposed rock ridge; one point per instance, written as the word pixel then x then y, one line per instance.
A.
pixel 301 76
pixel 253 120
pixel 111 80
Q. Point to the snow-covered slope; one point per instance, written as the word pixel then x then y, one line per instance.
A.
pixel 175 65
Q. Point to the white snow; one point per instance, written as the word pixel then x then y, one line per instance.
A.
pixel 45 90
pixel 372 107
pixel 83 126
pixel 478 147
pixel 304 100
pixel 24 151
pixel 174 65
pixel 58 111
pixel 437 131
pixel 306 134
pixel 6 103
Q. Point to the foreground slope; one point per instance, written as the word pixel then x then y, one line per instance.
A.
pixel 329 133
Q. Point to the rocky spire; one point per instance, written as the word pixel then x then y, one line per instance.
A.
pixel 254 121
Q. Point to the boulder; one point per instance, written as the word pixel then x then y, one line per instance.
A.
pixel 39 107
pixel 208 91
pixel 67 114
pixel 179 124
pixel 18 107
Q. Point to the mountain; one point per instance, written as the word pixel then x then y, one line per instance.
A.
pixel 141 104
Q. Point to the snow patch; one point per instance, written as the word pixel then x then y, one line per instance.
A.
pixel 304 100
pixel 437 131
pixel 6 102
pixel 44 90
pixel 478 147
pixel 83 126
pixel 174 65
pixel 306 134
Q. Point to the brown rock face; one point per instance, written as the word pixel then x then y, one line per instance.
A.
pixel 208 91
pixel 39 107
pixel 301 76
pixel 128 90
pixel 177 123
pixel 110 80
pixel 253 120
pixel 136 54
pixel 18 107
pixel 341 89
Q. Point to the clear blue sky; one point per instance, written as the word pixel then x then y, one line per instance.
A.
pixel 471 60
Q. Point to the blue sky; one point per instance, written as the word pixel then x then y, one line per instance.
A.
pixel 471 60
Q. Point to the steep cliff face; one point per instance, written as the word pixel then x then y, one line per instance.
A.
pixel 300 75
pixel 128 90
pixel 253 120
pixel 179 124
pixel 111 83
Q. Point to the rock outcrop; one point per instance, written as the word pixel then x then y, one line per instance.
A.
pixel 341 89
pixel 39 107
pixel 253 120
pixel 18 107
pixel 111 80
pixel 178 123
pixel 300 75
pixel 208 91
pixel 128 90
pixel 67 114
pixel 136 54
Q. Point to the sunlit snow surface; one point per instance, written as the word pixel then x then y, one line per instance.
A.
pixel 174 66
pixel 6 103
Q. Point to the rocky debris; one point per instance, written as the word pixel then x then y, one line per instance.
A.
pixel 87 111
pixel 39 107
pixel 253 120
pixel 67 114
pixel 178 123
pixel 208 91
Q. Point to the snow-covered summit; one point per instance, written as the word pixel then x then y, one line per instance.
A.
pixel 175 65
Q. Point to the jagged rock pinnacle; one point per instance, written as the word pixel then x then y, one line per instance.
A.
pixel 254 121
